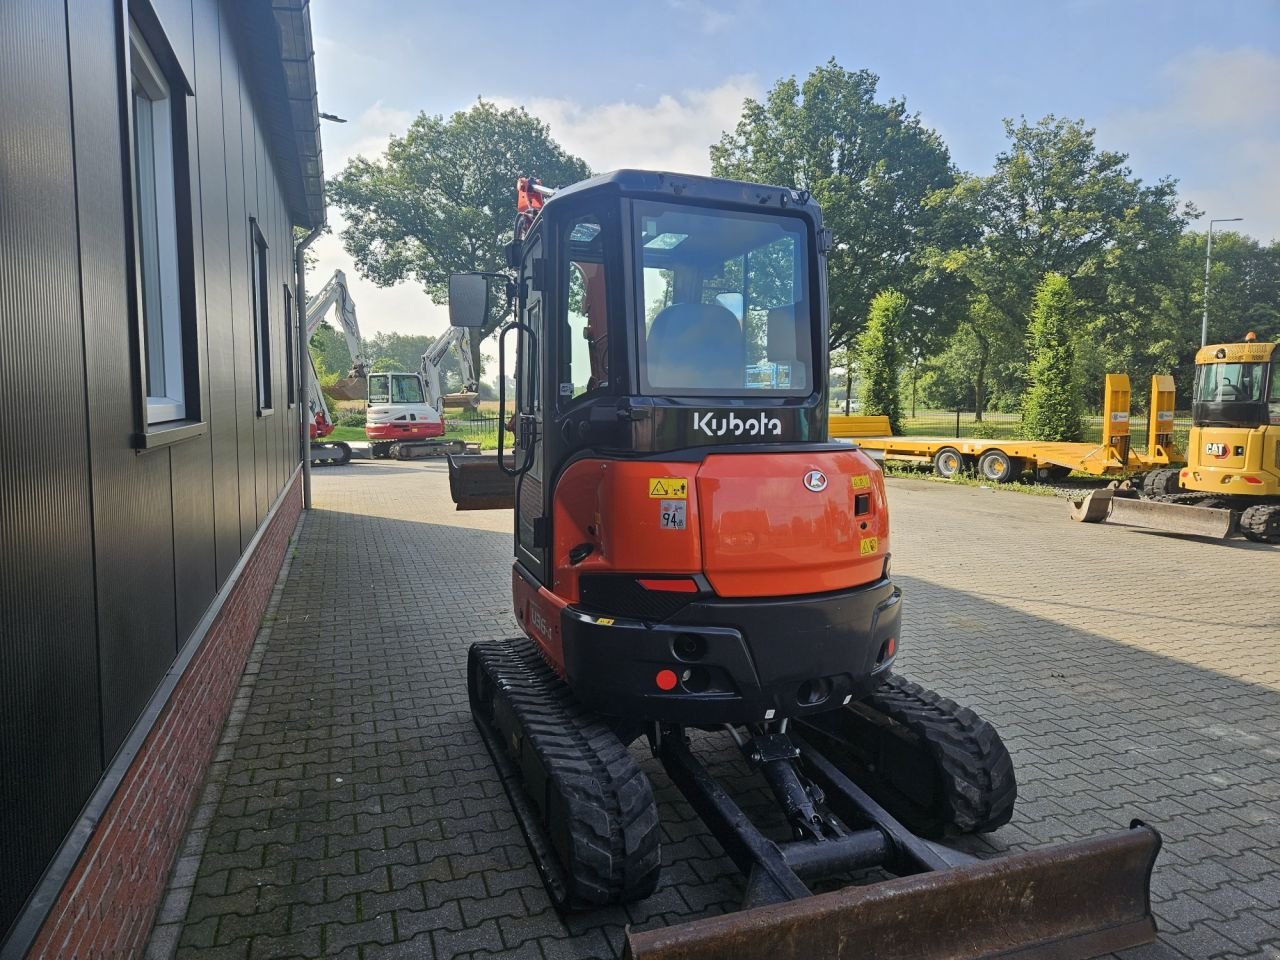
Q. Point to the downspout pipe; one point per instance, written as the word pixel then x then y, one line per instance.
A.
pixel 304 369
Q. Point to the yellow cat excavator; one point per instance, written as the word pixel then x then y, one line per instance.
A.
pixel 693 554
pixel 1231 481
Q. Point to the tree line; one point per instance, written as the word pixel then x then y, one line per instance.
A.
pixel 947 289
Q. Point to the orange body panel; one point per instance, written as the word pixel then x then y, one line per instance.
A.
pixel 750 524
pixel 538 610
pixel 765 534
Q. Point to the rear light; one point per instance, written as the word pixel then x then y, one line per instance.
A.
pixel 1252 480
pixel 677 585
pixel 666 679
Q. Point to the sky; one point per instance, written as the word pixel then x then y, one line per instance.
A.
pixel 1189 90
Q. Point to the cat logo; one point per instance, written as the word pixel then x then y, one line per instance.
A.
pixel 1218 450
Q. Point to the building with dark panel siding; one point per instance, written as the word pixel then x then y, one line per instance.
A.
pixel 155 157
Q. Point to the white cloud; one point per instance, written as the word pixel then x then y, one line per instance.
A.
pixel 710 20
pixel 673 133
pixel 1219 118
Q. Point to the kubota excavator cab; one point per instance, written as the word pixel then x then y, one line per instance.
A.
pixel 689 546
pixel 691 551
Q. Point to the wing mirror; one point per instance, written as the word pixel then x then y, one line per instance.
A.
pixel 468 300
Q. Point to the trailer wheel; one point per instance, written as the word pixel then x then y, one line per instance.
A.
pixel 948 462
pixel 1052 472
pixel 998 467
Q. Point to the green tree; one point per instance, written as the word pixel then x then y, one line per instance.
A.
pixel 1055 203
pixel 880 358
pixel 1052 410
pixel 441 200
pixel 329 352
pixel 400 351
pixel 869 165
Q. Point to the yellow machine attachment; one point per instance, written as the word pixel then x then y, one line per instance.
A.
pixel 1161 451
pixel 1115 416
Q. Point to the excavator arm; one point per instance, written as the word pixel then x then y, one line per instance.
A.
pixel 334 296
pixel 433 360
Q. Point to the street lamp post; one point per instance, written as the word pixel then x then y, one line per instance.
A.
pixel 1208 254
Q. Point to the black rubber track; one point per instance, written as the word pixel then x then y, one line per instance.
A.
pixel 1160 483
pixel 1261 522
pixel 936 766
pixel 593 827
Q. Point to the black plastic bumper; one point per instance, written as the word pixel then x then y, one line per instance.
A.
pixel 735 661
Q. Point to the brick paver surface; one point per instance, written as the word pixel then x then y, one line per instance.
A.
pixel 357 814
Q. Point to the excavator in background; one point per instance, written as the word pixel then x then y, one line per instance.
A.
pixel 1230 482
pixel 333 296
pixel 405 418
pixel 692 553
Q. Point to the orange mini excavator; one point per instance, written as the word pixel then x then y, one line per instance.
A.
pixel 694 559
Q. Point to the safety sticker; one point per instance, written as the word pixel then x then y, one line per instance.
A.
pixel 670 488
pixel 869 546
pixel 671 514
pixel 860 483
pixel 604 621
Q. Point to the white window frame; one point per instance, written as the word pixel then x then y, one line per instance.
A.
pixel 157 251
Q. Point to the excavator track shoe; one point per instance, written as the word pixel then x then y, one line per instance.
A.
pixel 936 766
pixel 585 806
pixel 1067 902
pixel 1261 523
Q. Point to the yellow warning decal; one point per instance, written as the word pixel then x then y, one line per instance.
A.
pixel 860 483
pixel 605 621
pixel 869 546
pixel 668 488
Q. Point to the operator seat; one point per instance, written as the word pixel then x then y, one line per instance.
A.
pixel 695 345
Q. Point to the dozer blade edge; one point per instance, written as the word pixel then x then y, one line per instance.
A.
pixel 1105 505
pixel 1067 902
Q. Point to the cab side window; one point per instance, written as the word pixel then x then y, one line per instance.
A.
pixel 584 333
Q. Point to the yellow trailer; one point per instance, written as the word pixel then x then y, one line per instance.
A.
pixel 1001 461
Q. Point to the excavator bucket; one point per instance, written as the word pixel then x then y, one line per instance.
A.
pixel 350 388
pixel 1076 900
pixel 460 401
pixel 1119 506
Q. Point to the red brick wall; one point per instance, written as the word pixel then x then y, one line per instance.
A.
pixel 107 906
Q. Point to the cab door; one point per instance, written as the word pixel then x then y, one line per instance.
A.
pixel 531 521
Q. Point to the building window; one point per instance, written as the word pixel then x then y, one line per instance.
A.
pixel 261 316
pixel 290 361
pixel 155 211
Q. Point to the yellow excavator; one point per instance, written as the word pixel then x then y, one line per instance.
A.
pixel 1231 481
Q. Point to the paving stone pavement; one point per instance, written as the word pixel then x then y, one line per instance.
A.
pixel 355 813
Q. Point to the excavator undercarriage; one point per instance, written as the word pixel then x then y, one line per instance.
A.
pixel 856 788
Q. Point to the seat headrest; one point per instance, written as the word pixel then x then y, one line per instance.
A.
pixel 695 345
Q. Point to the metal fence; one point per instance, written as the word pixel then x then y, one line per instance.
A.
pixel 473 428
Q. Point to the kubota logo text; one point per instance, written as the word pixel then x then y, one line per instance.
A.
pixel 714 426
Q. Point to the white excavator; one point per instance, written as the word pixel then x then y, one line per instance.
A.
pixel 336 298
pixel 405 418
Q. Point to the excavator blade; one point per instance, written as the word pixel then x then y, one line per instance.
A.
pixel 1154 515
pixel 1067 902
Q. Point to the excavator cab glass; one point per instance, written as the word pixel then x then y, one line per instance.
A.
pixel 724 303
pixel 1231 394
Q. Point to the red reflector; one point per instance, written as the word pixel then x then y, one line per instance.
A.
pixel 1252 480
pixel 890 648
pixel 666 679
pixel 670 586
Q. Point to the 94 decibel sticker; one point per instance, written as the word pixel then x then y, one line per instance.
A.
pixel 671 514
